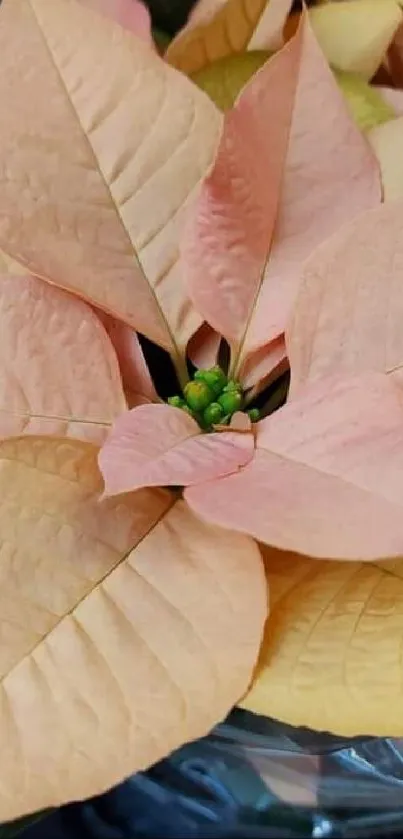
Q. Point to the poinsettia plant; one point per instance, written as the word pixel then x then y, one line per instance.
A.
pixel 143 518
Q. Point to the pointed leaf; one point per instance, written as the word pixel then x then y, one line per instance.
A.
pixel 355 35
pixel 243 278
pixel 349 309
pixel 156 445
pixel 316 197
pixel 131 14
pixel 331 655
pixel 100 165
pixel 386 141
pixel 59 373
pixel 136 376
pixel 232 222
pixel 227 28
pixel 327 476
pixel 126 628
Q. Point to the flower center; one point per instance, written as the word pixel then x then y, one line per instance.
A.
pixel 211 399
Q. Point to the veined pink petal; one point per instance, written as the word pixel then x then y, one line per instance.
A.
pixel 133 366
pixel 231 225
pixel 246 242
pixel 331 176
pixel 98 167
pixel 157 445
pixel 327 476
pixel 59 373
pixel 131 14
pixel 349 311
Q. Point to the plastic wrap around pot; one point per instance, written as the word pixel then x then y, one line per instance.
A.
pixel 252 777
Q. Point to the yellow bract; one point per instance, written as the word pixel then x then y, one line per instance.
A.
pixel 331 658
pixel 126 628
pixel 234 27
pixel 355 35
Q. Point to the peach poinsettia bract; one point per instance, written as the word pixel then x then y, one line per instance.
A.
pixel 132 212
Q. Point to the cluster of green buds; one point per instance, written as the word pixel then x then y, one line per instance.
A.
pixel 211 399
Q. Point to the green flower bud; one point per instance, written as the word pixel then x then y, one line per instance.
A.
pixel 215 378
pixel 231 386
pixel 176 401
pixel 231 401
pixel 254 414
pixel 198 395
pixel 213 414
